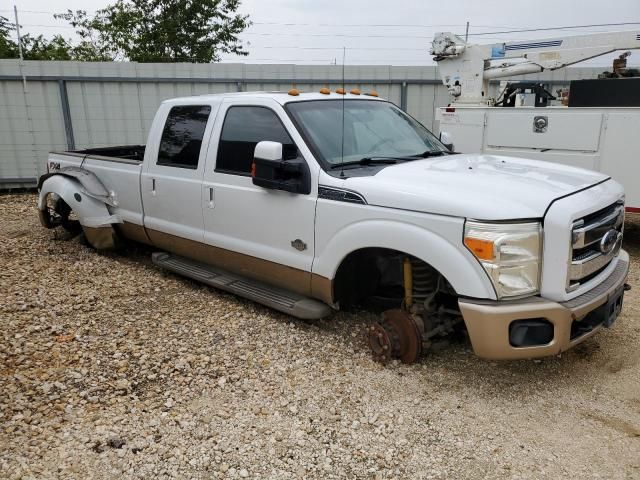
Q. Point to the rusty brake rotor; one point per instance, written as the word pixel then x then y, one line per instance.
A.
pixel 396 336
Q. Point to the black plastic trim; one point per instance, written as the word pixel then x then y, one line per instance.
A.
pixel 340 195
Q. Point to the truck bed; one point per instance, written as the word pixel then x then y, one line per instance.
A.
pixel 118 169
pixel 125 152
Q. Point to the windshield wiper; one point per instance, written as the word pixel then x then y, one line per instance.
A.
pixel 370 161
pixel 432 153
pixel 390 160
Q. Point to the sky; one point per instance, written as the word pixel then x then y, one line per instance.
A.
pixel 377 32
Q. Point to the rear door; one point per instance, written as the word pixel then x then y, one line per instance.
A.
pixel 171 181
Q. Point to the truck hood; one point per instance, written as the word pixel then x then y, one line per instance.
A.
pixel 484 187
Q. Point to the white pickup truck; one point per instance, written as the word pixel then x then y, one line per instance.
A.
pixel 308 202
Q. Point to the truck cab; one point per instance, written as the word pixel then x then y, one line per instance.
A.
pixel 313 202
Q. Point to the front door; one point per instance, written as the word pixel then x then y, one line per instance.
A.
pixel 263 234
pixel 171 183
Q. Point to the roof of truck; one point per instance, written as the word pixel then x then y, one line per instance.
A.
pixel 282 97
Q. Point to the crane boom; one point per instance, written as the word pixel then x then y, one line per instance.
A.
pixel 467 68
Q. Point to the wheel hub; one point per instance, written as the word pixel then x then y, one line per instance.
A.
pixel 397 335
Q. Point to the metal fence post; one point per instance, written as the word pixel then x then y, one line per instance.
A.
pixel 403 96
pixel 66 115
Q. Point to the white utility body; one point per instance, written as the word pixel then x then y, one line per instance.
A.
pixel 600 138
pixel 318 201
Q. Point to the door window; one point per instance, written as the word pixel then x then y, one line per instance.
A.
pixel 182 136
pixel 243 128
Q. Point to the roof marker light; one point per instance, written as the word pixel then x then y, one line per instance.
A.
pixel 325 91
pixel 340 91
pixel 294 92
pixel 372 93
pixel 355 91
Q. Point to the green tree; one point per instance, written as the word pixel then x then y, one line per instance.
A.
pixel 33 48
pixel 8 48
pixel 95 44
pixel 39 48
pixel 161 30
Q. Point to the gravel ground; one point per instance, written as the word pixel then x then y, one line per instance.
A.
pixel 111 368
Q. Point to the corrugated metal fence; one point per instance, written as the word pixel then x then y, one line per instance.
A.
pixel 48 106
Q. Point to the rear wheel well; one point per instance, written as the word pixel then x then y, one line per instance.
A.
pixel 58 213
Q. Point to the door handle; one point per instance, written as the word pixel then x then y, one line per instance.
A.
pixel 153 187
pixel 211 197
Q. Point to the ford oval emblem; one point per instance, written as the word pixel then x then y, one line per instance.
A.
pixel 609 241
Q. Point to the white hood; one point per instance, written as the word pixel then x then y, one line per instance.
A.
pixel 483 187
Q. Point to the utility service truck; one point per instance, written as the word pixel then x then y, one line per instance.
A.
pixel 312 202
pixel 598 130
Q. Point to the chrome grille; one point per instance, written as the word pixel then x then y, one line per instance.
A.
pixel 596 240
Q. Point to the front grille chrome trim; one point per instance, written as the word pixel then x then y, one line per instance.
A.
pixel 585 235
pixel 588 256
pixel 591 264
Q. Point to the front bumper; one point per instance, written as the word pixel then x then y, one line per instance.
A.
pixel 488 322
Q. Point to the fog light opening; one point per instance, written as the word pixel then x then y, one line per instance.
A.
pixel 530 332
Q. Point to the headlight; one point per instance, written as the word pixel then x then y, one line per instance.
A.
pixel 510 254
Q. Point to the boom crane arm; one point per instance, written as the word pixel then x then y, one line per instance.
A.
pixel 467 68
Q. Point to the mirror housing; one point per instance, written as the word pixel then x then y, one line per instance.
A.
pixel 271 151
pixel 270 170
pixel 447 140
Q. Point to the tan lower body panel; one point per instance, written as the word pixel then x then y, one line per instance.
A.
pixel 488 322
pixel 322 289
pixel 134 232
pixel 100 238
pixel 271 273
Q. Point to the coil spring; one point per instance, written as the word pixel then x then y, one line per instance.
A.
pixel 425 281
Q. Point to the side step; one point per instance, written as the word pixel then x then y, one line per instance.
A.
pixel 287 302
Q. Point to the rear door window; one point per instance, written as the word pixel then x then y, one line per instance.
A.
pixel 244 127
pixel 182 135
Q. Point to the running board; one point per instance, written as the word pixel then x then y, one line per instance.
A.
pixel 282 300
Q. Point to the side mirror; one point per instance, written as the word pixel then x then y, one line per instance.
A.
pixel 447 140
pixel 270 170
pixel 268 151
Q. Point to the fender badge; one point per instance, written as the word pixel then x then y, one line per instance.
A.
pixel 299 244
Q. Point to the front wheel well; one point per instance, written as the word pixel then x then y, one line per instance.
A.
pixel 420 307
pixel 382 278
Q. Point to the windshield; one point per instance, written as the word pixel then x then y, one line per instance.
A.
pixel 371 129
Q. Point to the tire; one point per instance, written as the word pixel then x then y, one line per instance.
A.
pixel 62 209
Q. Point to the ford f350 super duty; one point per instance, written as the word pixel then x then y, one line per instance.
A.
pixel 310 202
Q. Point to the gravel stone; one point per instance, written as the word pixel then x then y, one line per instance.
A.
pixel 116 442
pixel 113 368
